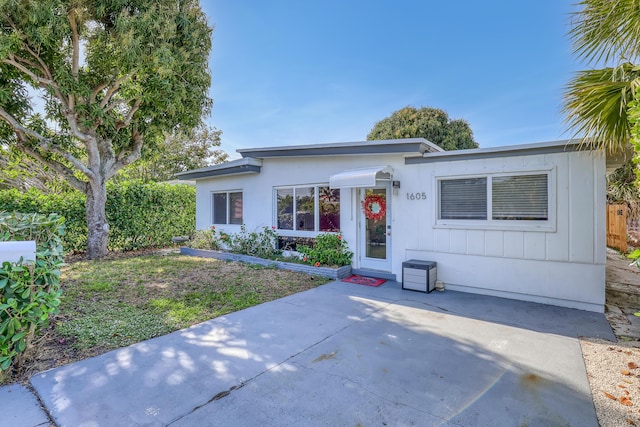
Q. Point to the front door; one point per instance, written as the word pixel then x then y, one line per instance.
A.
pixel 375 228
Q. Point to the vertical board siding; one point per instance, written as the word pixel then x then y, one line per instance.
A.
pixel 475 242
pixel 494 243
pixel 557 243
pixel 458 243
pixel 534 246
pixel 441 240
pixel 581 209
pixel 513 244
pixel 600 191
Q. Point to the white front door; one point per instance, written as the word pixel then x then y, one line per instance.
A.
pixel 374 242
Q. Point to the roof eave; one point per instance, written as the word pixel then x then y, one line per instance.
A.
pixel 235 167
pixel 417 146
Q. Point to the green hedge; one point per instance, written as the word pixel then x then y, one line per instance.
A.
pixel 139 215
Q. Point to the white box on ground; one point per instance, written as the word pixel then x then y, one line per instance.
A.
pixel 12 251
pixel 418 275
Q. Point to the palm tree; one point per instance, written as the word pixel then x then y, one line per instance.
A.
pixel 605 32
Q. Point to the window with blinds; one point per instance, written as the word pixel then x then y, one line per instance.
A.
pixel 495 197
pixel 520 197
pixel 463 198
pixel 227 207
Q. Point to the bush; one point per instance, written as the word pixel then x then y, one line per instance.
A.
pixel 205 239
pixel 29 292
pixel 330 249
pixel 260 244
pixel 139 215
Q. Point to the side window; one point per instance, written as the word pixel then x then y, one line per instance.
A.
pixel 227 207
pixel 495 198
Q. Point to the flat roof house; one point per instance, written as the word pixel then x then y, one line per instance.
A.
pixel 524 222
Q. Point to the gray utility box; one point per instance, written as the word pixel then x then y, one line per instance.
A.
pixel 419 275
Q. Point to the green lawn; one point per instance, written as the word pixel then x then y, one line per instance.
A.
pixel 113 303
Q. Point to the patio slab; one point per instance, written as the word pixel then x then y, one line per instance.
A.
pixel 344 354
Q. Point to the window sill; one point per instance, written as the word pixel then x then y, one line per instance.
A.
pixel 544 227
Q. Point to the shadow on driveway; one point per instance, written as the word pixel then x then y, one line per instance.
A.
pixel 344 354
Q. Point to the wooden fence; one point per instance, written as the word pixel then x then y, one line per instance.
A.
pixel 617 227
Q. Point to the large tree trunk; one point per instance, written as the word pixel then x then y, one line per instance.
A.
pixel 98 227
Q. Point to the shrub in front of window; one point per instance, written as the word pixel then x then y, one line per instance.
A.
pixel 330 250
pixel 260 244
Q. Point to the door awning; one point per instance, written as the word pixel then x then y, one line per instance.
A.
pixel 365 177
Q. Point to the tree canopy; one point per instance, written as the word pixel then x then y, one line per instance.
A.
pixel 430 123
pixel 178 152
pixel 113 76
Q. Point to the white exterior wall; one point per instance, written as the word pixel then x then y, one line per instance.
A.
pixel 258 190
pixel 562 266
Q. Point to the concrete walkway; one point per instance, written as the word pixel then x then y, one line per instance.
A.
pixel 341 354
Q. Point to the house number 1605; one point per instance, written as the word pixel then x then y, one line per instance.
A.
pixel 417 196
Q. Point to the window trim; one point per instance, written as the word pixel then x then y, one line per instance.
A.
pixel 316 220
pixel 548 225
pixel 228 207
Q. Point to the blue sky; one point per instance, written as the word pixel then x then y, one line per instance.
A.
pixel 291 72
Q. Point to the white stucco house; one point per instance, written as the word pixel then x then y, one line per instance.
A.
pixel 524 222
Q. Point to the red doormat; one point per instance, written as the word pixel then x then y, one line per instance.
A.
pixel 367 281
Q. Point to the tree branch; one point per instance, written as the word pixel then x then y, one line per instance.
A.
pixel 56 166
pixel 41 81
pixel 75 130
pixel 43 66
pixel 124 158
pixel 96 91
pixel 75 56
pixel 29 63
pixel 24 134
pixel 110 92
pixel 127 120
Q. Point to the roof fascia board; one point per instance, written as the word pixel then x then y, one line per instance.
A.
pixel 497 152
pixel 396 146
pixel 235 167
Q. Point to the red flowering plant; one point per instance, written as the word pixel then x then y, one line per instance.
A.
pixel 330 249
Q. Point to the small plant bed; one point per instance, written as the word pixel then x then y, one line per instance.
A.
pixel 329 256
pixel 114 303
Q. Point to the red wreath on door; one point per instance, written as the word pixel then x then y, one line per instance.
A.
pixel 374 207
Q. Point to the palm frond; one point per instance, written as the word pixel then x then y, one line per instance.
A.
pixel 604 30
pixel 596 104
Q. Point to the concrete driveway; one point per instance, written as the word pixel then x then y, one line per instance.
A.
pixel 344 355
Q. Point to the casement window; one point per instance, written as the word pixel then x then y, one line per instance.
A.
pixel 226 207
pixel 496 199
pixel 307 208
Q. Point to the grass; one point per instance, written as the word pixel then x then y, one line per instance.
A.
pixel 114 303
